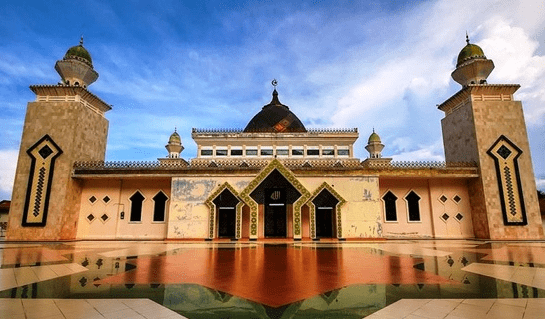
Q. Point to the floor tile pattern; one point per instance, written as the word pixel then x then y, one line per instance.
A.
pixel 463 309
pixel 84 309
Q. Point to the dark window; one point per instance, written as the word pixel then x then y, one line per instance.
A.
pixel 282 152
pixel 328 152
pixel 343 152
pixel 221 152
pixel 297 152
pixel 159 207
pixel 414 206
pixel 206 152
pixel 236 152
pixel 251 152
pixel 313 152
pixel 136 207
pixel 266 152
pixel 390 206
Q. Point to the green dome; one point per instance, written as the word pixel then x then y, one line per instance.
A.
pixel 373 138
pixel 80 53
pixel 470 51
pixel 175 138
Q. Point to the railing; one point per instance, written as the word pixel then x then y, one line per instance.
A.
pixel 420 165
pixel 236 131
pixel 253 164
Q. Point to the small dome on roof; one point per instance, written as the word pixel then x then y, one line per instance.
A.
pixel 175 138
pixel 470 51
pixel 78 52
pixel 374 138
pixel 275 117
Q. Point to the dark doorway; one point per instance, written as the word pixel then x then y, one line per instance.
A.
pixel 325 204
pixel 275 212
pixel 226 204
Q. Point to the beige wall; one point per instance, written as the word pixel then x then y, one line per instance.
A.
pixel 119 192
pixel 81 134
pixel 431 208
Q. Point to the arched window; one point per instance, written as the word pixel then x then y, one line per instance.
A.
pixel 159 207
pixel 136 206
pixel 413 206
pixel 390 210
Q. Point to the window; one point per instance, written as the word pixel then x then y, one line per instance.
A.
pixel 390 211
pixel 313 152
pixel 266 152
pixel 414 207
pixel 297 152
pixel 236 152
pixel 251 152
pixel 282 152
pixel 136 206
pixel 159 206
pixel 222 152
pixel 343 152
pixel 328 152
pixel 206 152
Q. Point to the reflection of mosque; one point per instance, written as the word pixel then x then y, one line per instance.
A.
pixel 211 301
pixel 274 178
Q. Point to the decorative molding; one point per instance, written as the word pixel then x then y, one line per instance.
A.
pixel 305 195
pixel 43 155
pixel 505 154
pixel 338 212
pixel 212 216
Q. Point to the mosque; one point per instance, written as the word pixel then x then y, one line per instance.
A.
pixel 275 178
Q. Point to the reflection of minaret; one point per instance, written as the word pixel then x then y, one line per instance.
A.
pixel 484 124
pixel 65 123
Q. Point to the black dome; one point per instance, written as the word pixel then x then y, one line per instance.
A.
pixel 275 117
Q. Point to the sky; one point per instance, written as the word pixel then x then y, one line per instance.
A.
pixel 209 64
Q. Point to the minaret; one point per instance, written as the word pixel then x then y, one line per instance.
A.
pixel 174 146
pixel 484 124
pixel 76 68
pixel 375 147
pixel 65 123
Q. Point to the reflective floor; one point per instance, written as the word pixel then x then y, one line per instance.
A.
pixel 274 279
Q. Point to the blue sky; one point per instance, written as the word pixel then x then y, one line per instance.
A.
pixel 209 64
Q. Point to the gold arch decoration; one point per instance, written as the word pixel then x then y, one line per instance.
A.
pixel 338 215
pixel 212 216
pixel 305 195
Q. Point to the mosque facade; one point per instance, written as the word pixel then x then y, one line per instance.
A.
pixel 275 178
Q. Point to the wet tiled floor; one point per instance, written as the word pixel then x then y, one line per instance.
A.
pixel 273 279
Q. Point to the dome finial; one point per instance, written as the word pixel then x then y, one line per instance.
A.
pixel 467 38
pixel 274 83
pixel 81 40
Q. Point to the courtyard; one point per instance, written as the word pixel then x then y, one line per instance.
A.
pixel 273 279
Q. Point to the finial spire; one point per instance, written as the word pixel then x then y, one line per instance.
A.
pixel 81 40
pixel 373 129
pixel 467 38
pixel 274 83
pixel 175 129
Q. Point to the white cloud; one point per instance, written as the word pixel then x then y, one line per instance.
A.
pixel 432 152
pixel 540 183
pixel 8 158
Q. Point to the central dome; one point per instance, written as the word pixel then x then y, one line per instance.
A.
pixel 275 117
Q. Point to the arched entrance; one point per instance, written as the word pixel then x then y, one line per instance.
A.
pixel 266 212
pixel 226 204
pixel 325 213
pixel 225 217
pixel 325 204
pixel 275 195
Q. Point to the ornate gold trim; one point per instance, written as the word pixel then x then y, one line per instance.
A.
pixel 305 195
pixel 312 209
pixel 212 216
